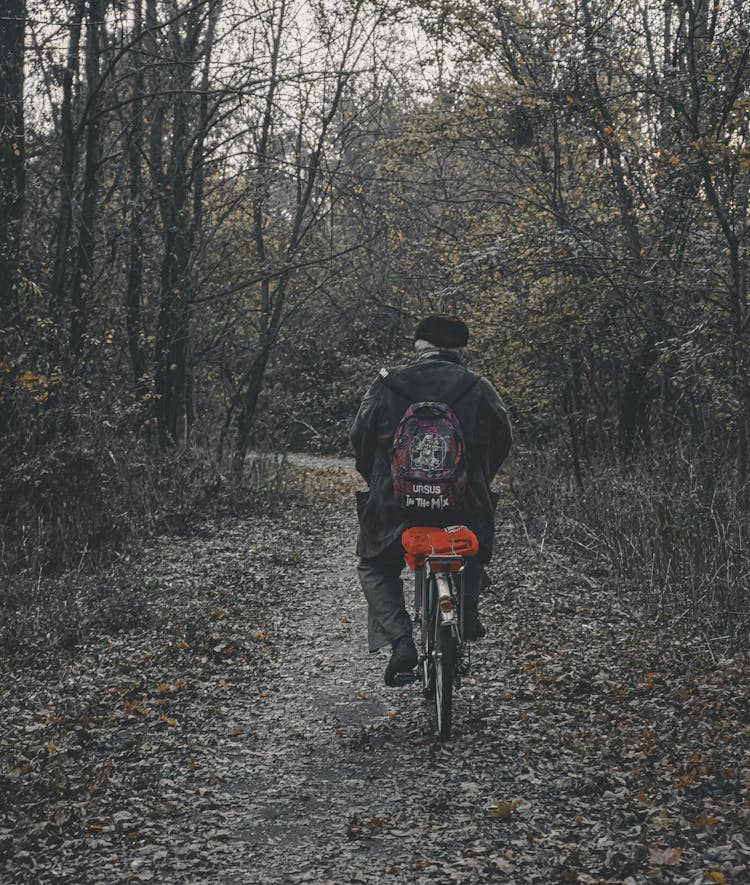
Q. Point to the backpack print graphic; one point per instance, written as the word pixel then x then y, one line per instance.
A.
pixel 428 455
pixel 428 452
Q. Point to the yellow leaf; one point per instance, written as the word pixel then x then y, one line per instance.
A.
pixel 358 694
pixel 162 687
pixel 235 731
pixel 503 809
pixel 130 707
pixel 258 634
pixel 51 748
pixel 170 722
pixel 391 714
pixel 716 876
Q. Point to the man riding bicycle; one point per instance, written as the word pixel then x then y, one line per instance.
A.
pixel 434 377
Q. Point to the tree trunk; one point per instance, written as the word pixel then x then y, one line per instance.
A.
pixel 84 266
pixel 172 328
pixel 634 419
pixel 634 408
pixel 64 225
pixel 174 409
pixel 135 260
pixel 12 160
pixel 249 406
pixel 740 362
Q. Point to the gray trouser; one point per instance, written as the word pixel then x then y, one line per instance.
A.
pixel 387 618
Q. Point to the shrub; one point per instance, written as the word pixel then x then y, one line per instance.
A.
pixel 79 491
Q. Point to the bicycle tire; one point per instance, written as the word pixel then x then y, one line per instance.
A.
pixel 427 661
pixel 444 670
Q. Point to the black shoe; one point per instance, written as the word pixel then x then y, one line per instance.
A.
pixel 403 659
pixel 473 627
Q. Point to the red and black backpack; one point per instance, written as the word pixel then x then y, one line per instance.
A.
pixel 428 454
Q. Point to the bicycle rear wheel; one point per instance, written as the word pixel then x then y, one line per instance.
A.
pixel 445 668
pixel 427 659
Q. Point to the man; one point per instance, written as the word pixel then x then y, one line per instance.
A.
pixel 436 372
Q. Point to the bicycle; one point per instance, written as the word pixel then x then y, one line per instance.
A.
pixel 438 558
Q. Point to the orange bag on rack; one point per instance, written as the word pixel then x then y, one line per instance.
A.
pixel 426 540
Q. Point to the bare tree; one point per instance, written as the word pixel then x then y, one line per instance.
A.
pixel 342 39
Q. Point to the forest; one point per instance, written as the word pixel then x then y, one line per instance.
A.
pixel 218 220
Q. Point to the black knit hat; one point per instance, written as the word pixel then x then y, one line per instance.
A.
pixel 443 331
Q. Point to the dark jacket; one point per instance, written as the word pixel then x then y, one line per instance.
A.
pixel 487 434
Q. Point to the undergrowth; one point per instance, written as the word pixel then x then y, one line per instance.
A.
pixel 673 523
pixel 76 505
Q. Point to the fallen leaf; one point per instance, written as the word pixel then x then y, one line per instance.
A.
pixel 664 856
pixel 503 809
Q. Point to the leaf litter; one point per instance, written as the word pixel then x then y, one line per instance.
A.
pixel 246 735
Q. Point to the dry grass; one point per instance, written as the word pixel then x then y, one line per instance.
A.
pixel 674 525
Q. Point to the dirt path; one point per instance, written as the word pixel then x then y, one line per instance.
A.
pixel 246 735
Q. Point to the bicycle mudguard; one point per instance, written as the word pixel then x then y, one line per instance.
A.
pixel 422 541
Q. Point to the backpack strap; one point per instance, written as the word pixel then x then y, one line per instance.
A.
pixel 463 386
pixel 392 384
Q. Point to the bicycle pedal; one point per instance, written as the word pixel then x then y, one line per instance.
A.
pixel 404 678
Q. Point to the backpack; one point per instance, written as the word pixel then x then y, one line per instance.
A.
pixel 428 454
